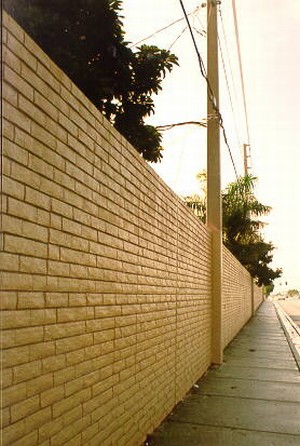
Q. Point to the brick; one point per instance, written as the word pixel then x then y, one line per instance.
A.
pixel 97 325
pixel 24 408
pixel 22 336
pixel 68 124
pixel 25 246
pixel 82 258
pixel 13 188
pixel 45 105
pixel 15 319
pixel 14 394
pixel 77 300
pixel 107 311
pixel 104 385
pixel 8 132
pixel 65 330
pixel 76 357
pixel 39 384
pixel 74 314
pixel 51 364
pixel 32 265
pixel 56 222
pixel 30 300
pixel 10 95
pixel 18 48
pixel 27 371
pixel 25 211
pixel 41 167
pixel 51 396
pixel 11 60
pixel 6 377
pixel 68 434
pixel 9 262
pixel 8 300
pixel 29 73
pixel 72 401
pixel 103 336
pixel 37 419
pixel 40 134
pixel 46 74
pixel 74 343
pixel 41 350
pixel 15 116
pixel 28 440
pixel 89 432
pixel 62 208
pixel 12 282
pixel 54 300
pixel 58 268
pixel 37 198
pixel 13 432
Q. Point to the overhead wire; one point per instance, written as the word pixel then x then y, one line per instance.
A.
pixel 157 32
pixel 227 51
pixel 210 93
pixel 177 38
pixel 227 77
pixel 170 126
pixel 229 93
pixel 240 66
pixel 164 28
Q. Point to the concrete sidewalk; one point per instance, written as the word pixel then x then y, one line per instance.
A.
pixel 252 399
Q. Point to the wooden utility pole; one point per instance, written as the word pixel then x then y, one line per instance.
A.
pixel 214 199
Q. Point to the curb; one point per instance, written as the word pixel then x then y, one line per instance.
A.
pixel 291 330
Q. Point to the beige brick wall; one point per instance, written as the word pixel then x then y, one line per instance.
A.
pixel 257 297
pixel 105 272
pixel 237 297
pixel 106 275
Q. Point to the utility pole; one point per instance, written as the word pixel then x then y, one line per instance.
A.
pixel 214 199
pixel 246 148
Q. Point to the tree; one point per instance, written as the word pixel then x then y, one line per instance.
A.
pixel 268 289
pixel 293 293
pixel 242 228
pixel 86 39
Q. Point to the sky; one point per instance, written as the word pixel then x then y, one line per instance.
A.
pixel 269 32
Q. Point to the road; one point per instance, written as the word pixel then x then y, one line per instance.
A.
pixel 292 308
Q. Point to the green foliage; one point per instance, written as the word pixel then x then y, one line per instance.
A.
pixel 86 39
pixel 268 289
pixel 242 227
pixel 293 293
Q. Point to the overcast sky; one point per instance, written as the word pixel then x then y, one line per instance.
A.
pixel 270 46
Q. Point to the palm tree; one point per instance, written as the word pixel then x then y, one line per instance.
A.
pixel 242 227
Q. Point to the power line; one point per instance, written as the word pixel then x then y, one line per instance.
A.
pixel 157 32
pixel 170 126
pixel 240 65
pixel 227 77
pixel 177 38
pixel 229 93
pixel 210 93
pixel 164 28
pixel 227 52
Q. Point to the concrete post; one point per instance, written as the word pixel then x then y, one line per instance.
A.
pixel 214 201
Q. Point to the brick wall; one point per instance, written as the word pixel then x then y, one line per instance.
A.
pixel 257 297
pixel 237 303
pixel 106 274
